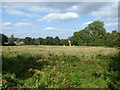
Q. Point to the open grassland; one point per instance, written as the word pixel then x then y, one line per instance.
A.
pixel 60 67
pixel 59 50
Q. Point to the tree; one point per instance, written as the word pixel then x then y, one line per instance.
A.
pixel 93 34
pixel 56 41
pixel 28 41
pixel 64 42
pixel 3 39
pixel 81 38
pixel 11 40
pixel 97 30
pixel 18 40
pixel 41 41
pixel 36 42
pixel 113 39
pixel 49 41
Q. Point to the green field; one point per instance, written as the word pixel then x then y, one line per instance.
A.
pixel 60 67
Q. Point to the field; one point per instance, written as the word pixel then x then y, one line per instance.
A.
pixel 60 67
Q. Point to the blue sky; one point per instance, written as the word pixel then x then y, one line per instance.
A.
pixel 38 19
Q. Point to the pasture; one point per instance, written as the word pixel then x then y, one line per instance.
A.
pixel 60 67
pixel 59 50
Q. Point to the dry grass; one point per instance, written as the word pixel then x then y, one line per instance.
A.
pixel 59 50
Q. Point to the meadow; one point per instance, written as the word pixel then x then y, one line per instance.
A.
pixel 40 66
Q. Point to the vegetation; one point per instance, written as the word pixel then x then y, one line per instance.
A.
pixel 92 35
pixel 37 64
pixel 11 40
pixel 60 70
pixel 3 39
pixel 95 35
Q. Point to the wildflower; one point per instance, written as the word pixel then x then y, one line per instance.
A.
pixel 64 80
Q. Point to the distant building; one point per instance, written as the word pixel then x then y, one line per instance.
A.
pixel 20 43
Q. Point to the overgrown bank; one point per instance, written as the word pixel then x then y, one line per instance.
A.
pixel 60 71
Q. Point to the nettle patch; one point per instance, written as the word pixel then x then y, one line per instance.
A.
pixel 63 71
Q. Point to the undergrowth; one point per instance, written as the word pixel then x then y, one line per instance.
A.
pixel 53 71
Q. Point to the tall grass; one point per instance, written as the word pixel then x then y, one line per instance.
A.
pixel 59 50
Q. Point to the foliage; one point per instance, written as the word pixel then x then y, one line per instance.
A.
pixel 57 40
pixel 28 41
pixel 92 35
pixel 11 40
pixel 60 71
pixel 3 39
pixel 95 35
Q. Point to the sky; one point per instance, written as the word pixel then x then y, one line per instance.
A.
pixel 62 19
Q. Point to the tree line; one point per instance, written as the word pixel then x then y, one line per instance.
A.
pixel 92 35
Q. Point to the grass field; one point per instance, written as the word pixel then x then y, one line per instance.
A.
pixel 59 50
pixel 60 67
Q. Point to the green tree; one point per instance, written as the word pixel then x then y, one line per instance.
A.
pixel 97 30
pixel 18 40
pixel 64 42
pixel 49 41
pixel 113 39
pixel 11 40
pixel 3 39
pixel 81 38
pixel 28 41
pixel 93 34
pixel 57 40
pixel 41 41
pixel 36 41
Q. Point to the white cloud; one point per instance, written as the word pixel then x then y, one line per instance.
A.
pixel 34 7
pixel 6 24
pixel 95 9
pixel 22 24
pixel 82 26
pixel 112 19
pixel 51 28
pixel 74 8
pixel 86 23
pixel 59 1
pixel 42 9
pixel 58 17
pixel 18 12
pixel 111 26
pixel 109 12
pixel 29 25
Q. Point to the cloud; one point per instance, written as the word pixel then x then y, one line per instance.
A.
pixel 51 28
pixel 95 9
pixel 36 6
pixel 58 17
pixel 108 11
pixel 111 26
pixel 18 12
pixel 42 9
pixel 22 24
pixel 112 19
pixel 86 23
pixel 6 26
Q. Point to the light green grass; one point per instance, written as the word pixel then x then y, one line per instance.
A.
pixel 59 50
